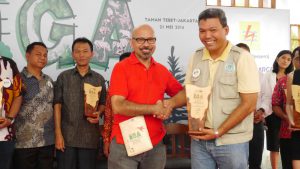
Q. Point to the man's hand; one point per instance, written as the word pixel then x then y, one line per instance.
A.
pixel 59 142
pixel 168 108
pixel 94 120
pixel 291 128
pixel 205 134
pixel 158 110
pixel 258 116
pixel 289 108
pixel 163 109
pixel 4 122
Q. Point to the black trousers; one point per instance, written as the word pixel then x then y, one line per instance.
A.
pixel 286 153
pixel 76 158
pixel 273 123
pixel 256 146
pixel 34 158
pixel 295 145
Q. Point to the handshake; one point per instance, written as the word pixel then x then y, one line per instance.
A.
pixel 163 109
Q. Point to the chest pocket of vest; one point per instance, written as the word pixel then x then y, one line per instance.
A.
pixel 228 87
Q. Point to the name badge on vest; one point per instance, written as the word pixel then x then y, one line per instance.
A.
pixel 230 67
pixel 6 83
pixel 49 84
pixel 196 73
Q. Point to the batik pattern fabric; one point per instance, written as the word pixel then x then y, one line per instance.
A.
pixel 279 99
pixel 35 124
pixel 11 87
pixel 108 120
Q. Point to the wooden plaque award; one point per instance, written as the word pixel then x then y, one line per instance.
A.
pixel 197 106
pixel 296 98
pixel 91 99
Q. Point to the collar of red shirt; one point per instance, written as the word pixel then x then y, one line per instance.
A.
pixel 134 60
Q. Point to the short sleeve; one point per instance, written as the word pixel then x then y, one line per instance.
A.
pixel 173 86
pixel 118 81
pixel 58 90
pixel 247 73
pixel 17 85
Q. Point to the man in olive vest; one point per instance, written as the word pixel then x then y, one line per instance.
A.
pixel 233 77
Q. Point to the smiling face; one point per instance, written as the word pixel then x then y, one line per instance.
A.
pixel 143 42
pixel 284 61
pixel 82 54
pixel 213 35
pixel 38 57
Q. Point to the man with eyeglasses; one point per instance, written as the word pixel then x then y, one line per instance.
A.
pixel 137 87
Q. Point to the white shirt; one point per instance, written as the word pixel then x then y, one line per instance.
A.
pixel 269 82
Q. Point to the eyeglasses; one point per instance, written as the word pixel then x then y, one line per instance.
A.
pixel 143 40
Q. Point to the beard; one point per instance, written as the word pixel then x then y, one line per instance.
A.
pixel 145 53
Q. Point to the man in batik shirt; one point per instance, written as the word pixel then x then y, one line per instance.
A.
pixel 35 124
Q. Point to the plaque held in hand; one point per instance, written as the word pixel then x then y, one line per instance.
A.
pixel 91 99
pixel 197 106
pixel 296 104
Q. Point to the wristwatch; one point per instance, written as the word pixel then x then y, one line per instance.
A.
pixel 12 120
pixel 216 132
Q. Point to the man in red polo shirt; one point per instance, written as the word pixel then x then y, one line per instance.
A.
pixel 137 87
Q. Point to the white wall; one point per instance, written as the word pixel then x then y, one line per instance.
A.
pixel 293 6
pixel 180 33
pixel 271 36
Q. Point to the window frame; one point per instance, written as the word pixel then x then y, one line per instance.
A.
pixel 293 39
pixel 246 4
